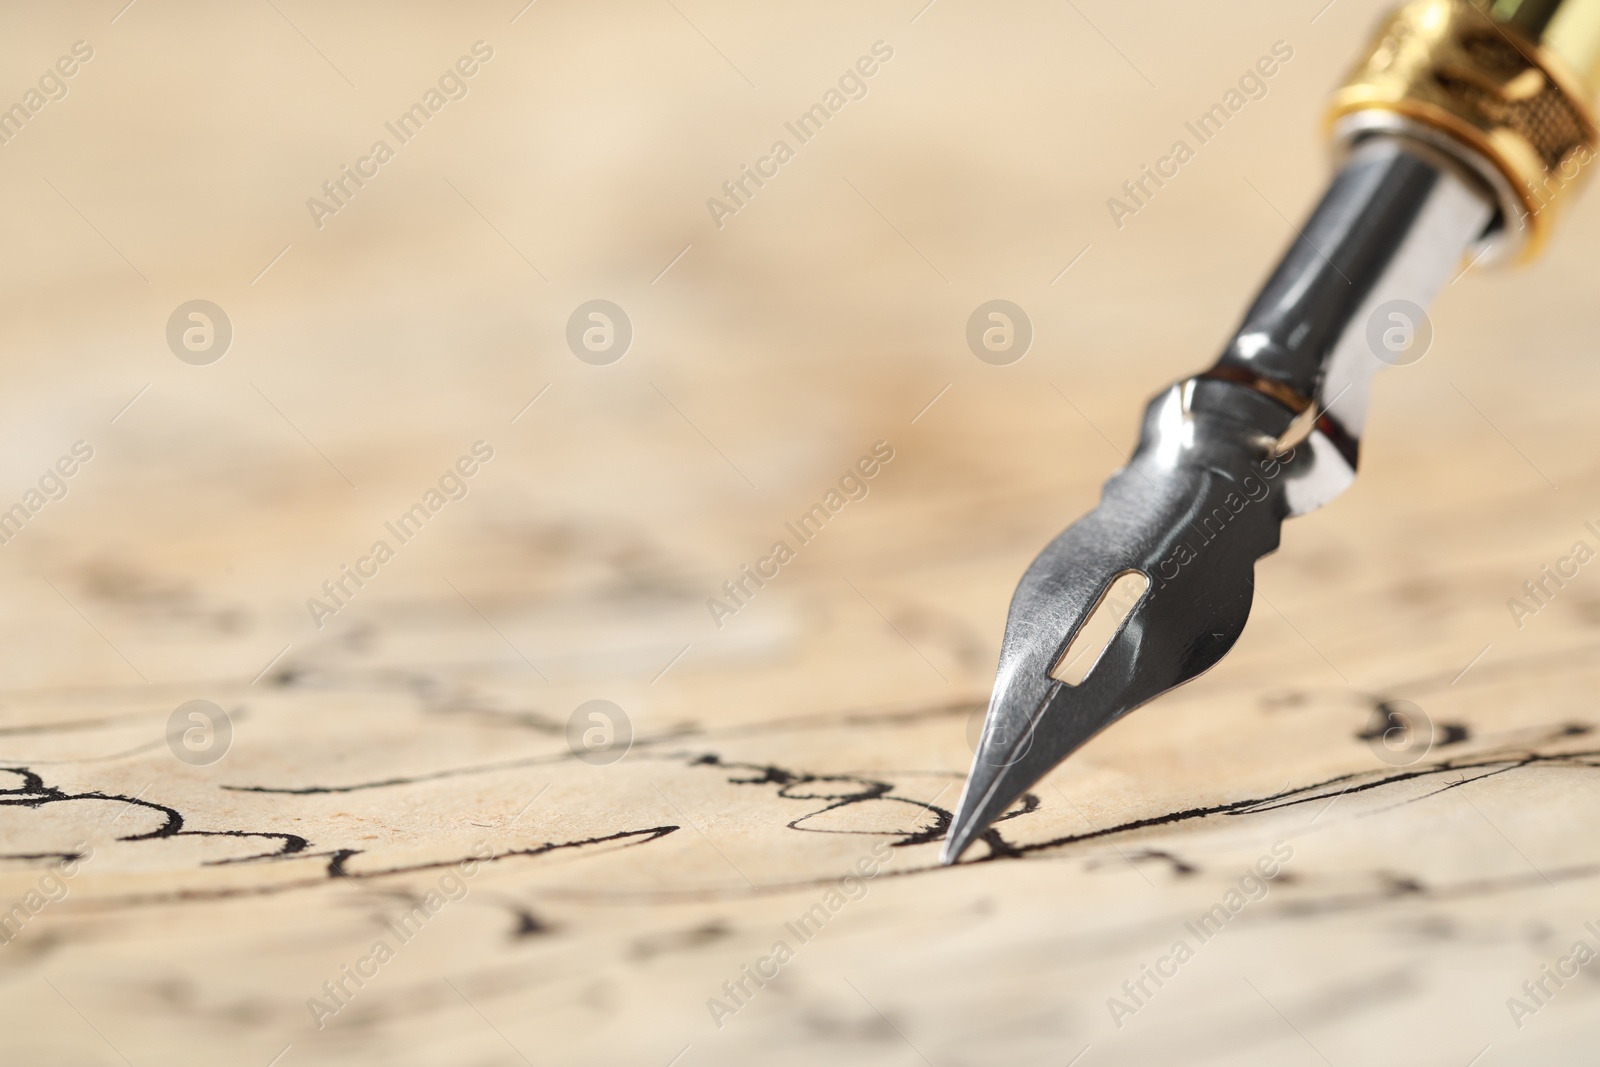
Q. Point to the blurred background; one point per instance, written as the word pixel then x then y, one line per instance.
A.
pixel 377 333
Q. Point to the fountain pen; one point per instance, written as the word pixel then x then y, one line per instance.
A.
pixel 1460 132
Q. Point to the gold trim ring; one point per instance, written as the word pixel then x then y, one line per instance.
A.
pixel 1508 97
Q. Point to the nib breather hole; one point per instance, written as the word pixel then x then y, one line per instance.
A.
pixel 1119 598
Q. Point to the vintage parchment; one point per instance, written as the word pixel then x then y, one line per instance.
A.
pixel 384 846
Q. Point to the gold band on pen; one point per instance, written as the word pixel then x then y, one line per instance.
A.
pixel 1503 86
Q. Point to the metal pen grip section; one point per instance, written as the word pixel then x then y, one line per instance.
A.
pixel 1390 232
pixel 1393 225
pixel 1366 226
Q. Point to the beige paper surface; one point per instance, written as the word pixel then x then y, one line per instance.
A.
pixel 398 765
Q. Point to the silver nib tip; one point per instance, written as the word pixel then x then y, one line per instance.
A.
pixel 1146 592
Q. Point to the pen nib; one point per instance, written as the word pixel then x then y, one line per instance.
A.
pixel 1162 569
